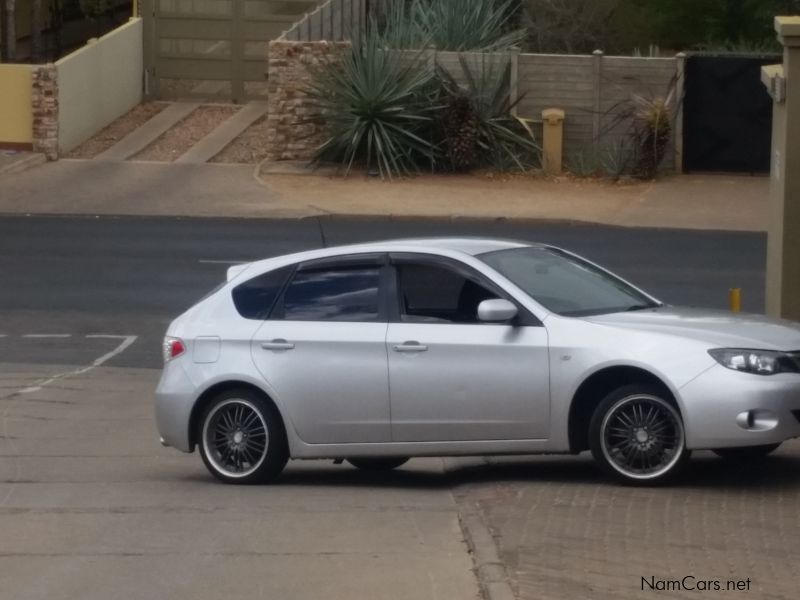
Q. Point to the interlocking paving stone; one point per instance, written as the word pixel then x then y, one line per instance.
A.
pixel 563 531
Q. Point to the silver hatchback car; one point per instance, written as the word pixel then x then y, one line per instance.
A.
pixel 378 352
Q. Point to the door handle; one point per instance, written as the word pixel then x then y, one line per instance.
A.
pixel 410 347
pixel 278 344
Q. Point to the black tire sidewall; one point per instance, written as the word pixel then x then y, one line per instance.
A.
pixel 277 450
pixel 595 435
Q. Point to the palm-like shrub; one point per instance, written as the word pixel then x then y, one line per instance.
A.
pixel 484 132
pixel 455 25
pixel 377 109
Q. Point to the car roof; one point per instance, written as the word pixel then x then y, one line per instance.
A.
pixel 471 246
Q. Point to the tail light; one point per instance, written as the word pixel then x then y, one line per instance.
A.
pixel 172 348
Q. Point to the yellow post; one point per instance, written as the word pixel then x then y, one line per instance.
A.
pixel 735 299
pixel 552 140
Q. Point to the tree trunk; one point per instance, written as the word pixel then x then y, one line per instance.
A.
pixel 10 32
pixel 37 49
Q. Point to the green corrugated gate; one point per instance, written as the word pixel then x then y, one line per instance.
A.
pixel 212 49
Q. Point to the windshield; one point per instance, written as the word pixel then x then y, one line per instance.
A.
pixel 565 284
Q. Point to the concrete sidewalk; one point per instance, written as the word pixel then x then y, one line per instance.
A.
pixel 706 202
pixel 92 507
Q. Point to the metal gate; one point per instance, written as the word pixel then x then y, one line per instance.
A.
pixel 727 114
pixel 212 49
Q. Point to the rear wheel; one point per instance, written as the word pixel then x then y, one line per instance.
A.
pixel 747 453
pixel 378 463
pixel 636 435
pixel 242 440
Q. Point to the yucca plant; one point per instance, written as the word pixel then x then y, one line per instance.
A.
pixel 376 107
pixel 457 25
pixel 484 132
pixel 651 130
pixel 648 119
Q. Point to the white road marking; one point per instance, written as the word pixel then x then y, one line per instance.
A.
pixel 222 262
pixel 47 335
pixel 127 340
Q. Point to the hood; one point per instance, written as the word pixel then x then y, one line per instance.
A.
pixel 716 327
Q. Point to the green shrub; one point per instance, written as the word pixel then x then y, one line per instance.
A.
pixel 377 109
pixel 484 132
pixel 454 25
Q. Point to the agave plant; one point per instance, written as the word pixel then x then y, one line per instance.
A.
pixel 376 107
pixel 480 129
pixel 457 25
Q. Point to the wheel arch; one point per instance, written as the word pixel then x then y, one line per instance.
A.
pixel 222 386
pixel 595 387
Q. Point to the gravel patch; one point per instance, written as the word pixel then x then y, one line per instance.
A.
pixel 109 136
pixel 176 141
pixel 249 148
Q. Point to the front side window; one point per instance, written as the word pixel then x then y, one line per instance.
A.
pixel 437 294
pixel 565 284
pixel 333 294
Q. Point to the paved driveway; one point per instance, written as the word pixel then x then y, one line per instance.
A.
pixel 564 532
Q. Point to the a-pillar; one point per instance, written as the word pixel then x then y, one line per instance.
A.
pixel 783 246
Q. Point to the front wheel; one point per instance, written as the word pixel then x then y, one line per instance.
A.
pixel 242 439
pixel 636 435
pixel 378 463
pixel 747 453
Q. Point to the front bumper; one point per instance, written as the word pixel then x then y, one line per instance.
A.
pixel 726 409
pixel 175 398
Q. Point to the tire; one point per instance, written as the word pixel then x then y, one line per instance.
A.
pixel 747 453
pixel 378 463
pixel 637 436
pixel 242 439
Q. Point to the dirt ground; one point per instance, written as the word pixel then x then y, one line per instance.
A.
pixel 250 147
pixel 177 140
pixel 109 136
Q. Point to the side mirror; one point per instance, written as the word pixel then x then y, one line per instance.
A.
pixel 493 311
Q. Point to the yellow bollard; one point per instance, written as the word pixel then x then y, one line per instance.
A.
pixel 735 299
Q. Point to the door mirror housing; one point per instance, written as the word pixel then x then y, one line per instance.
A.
pixel 498 310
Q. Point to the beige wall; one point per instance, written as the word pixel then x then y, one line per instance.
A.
pixel 592 90
pixel 16 114
pixel 98 83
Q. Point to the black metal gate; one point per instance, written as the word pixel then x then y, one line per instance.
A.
pixel 727 114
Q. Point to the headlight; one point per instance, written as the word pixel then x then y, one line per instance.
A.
pixel 759 362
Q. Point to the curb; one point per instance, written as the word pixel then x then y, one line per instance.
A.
pixel 490 570
pixel 23 164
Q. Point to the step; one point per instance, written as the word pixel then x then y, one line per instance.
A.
pixel 141 137
pixel 227 131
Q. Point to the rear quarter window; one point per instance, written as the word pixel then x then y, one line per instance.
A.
pixel 255 298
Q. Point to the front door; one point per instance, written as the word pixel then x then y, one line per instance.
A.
pixel 323 353
pixel 453 377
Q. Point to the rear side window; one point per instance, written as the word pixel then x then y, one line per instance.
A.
pixel 254 299
pixel 334 294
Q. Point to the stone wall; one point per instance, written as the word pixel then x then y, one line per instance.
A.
pixel 44 100
pixel 293 131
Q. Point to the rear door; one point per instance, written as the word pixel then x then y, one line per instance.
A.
pixel 453 377
pixel 323 350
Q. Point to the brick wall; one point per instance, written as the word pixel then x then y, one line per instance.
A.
pixel 44 100
pixel 293 132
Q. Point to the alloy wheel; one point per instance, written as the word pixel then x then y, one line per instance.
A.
pixel 235 438
pixel 642 437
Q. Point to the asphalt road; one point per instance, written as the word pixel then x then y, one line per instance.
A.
pixel 84 276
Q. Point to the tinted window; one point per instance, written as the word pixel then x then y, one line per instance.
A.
pixel 254 299
pixel 336 294
pixel 437 294
pixel 566 284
